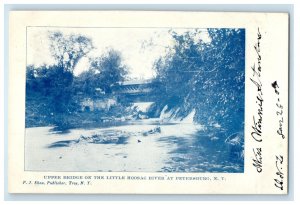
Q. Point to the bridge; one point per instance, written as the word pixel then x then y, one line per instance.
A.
pixel 137 91
pixel 126 92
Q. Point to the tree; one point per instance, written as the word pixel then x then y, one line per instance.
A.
pixel 108 70
pixel 67 50
pixel 206 76
pixel 49 88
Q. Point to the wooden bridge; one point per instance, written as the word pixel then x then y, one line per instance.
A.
pixel 137 91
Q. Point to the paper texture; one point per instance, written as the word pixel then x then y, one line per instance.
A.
pixel 148 102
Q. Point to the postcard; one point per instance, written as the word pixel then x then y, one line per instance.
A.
pixel 144 102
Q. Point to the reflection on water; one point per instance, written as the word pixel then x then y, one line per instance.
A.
pixel 201 154
pixel 141 146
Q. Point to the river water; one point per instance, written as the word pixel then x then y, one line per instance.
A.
pixel 146 145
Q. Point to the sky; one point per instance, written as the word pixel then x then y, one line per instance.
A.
pixel 139 47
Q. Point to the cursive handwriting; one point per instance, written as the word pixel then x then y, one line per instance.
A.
pixel 279 174
pixel 255 79
pixel 257 49
pixel 279 111
pixel 257 125
pixel 257 160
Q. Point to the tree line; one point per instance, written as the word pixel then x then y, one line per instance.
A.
pixel 54 92
pixel 205 76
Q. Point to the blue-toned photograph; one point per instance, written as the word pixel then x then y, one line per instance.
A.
pixel 135 99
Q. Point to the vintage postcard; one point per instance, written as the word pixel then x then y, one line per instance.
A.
pixel 148 102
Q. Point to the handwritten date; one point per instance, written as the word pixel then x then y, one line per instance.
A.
pixel 279 110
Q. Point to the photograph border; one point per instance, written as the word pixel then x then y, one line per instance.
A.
pixel 290 122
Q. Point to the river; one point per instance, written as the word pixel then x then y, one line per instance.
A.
pixel 146 145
